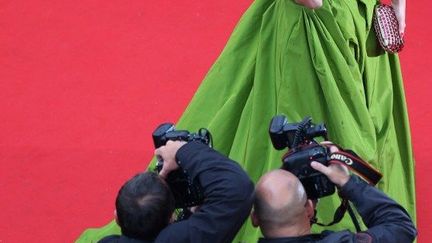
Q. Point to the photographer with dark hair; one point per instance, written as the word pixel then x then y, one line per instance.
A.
pixel 284 213
pixel 145 204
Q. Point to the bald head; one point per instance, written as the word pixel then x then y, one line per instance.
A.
pixel 280 201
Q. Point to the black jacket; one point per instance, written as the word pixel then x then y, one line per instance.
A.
pixel 386 220
pixel 228 193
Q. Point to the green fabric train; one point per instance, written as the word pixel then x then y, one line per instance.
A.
pixel 283 58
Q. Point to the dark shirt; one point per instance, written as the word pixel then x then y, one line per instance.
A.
pixel 120 239
pixel 228 193
pixel 386 220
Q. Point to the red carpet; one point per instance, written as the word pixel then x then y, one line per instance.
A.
pixel 83 84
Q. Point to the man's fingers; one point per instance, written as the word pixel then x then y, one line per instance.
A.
pixel 327 143
pixel 321 168
pixel 333 148
pixel 158 151
pixel 167 154
pixel 163 173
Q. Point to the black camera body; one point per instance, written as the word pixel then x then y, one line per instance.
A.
pixel 187 192
pixel 299 138
pixel 167 131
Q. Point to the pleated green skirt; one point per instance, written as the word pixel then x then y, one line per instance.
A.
pixel 283 58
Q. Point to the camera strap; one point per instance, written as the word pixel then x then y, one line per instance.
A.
pixel 339 213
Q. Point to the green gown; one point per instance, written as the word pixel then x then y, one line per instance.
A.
pixel 283 58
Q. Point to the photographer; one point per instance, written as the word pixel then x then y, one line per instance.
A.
pixel 284 213
pixel 145 204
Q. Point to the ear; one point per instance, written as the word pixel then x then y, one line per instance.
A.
pixel 310 209
pixel 254 219
pixel 115 216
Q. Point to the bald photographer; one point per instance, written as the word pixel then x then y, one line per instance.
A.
pixel 284 212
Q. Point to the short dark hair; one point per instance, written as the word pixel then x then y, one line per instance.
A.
pixel 144 206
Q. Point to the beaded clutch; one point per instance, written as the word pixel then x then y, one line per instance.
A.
pixel 387 28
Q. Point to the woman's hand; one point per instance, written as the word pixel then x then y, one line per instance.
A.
pixel 312 4
pixel 399 7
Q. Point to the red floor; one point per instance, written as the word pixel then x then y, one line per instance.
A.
pixel 83 84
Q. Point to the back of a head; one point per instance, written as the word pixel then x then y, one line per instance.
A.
pixel 280 201
pixel 144 206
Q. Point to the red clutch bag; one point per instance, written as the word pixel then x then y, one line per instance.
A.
pixel 387 28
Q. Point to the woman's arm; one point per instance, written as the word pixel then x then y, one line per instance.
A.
pixel 400 8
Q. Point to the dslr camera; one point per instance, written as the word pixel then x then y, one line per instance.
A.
pixel 303 149
pixel 187 192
